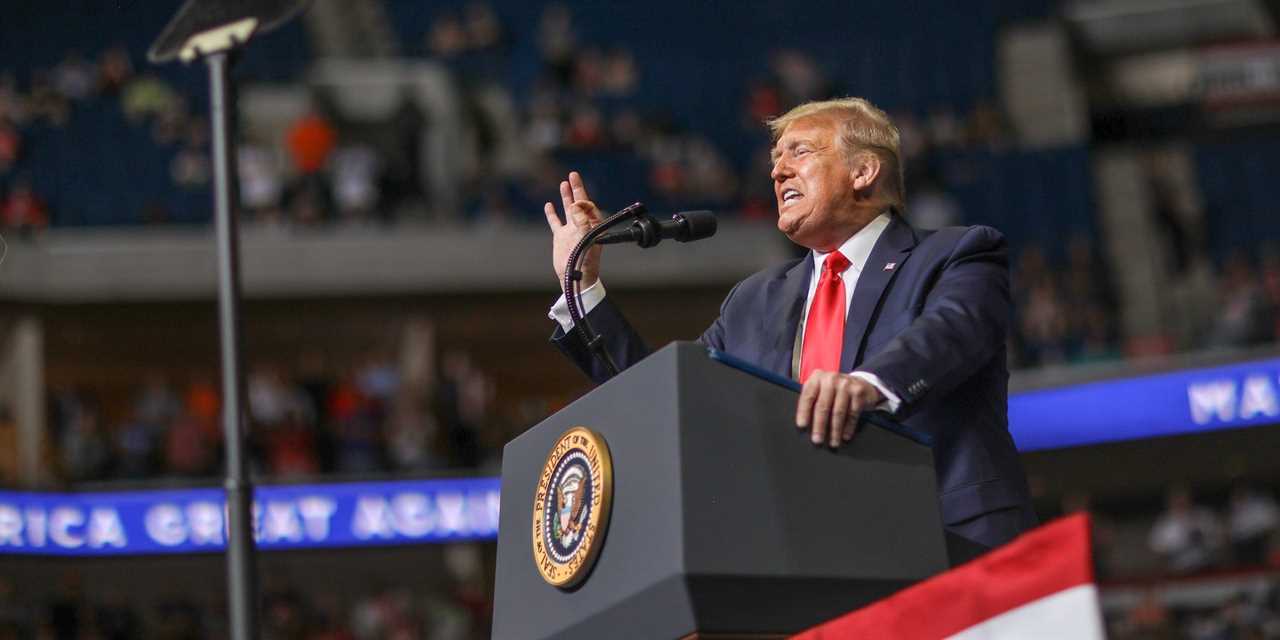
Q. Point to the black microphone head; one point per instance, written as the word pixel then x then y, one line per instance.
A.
pixel 695 225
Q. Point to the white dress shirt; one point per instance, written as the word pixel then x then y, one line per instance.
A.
pixel 857 249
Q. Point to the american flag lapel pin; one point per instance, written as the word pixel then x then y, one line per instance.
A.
pixel 888 266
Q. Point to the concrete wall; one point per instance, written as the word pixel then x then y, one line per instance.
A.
pixel 75 265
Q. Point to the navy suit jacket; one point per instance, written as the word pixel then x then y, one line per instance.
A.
pixel 932 328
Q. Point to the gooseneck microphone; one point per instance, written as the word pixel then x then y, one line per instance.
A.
pixel 647 231
pixel 644 231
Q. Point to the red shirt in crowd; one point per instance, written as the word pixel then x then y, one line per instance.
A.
pixel 311 140
pixel 24 209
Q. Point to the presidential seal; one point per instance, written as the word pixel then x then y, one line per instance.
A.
pixel 571 507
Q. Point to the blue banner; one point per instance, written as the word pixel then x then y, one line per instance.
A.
pixel 1189 401
pixel 285 517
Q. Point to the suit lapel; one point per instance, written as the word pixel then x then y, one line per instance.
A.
pixel 786 294
pixel 893 247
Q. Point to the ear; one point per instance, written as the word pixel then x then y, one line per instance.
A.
pixel 864 169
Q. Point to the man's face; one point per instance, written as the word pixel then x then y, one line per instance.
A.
pixel 813 183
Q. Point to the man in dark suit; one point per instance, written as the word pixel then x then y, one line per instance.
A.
pixel 879 316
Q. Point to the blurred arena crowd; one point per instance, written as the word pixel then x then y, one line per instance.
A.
pixel 582 110
pixel 458 611
pixel 304 421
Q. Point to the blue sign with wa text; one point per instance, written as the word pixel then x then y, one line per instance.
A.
pixel 1183 402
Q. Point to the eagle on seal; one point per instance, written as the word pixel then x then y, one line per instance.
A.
pixel 569 506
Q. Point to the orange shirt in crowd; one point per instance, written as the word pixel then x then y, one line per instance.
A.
pixel 310 140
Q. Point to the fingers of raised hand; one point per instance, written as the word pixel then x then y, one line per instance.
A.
pixel 553 219
pixel 566 195
pixel 579 189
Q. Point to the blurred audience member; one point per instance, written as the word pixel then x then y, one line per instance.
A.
pixel 931 207
pixel 461 399
pixel 10 145
pixel 356 177
pixel 115 69
pixel 46 103
pixel 1245 317
pixel 70 616
pixel 987 126
pixel 177 618
pixel 17 621
pixel 136 443
pixel 798 78
pixel 311 140
pixel 412 433
pixel 1149 620
pixel 8 449
pixel 13 104
pixel 75 77
pixel 619 76
pixel 945 127
pixel 290 447
pixel 191 167
pixel 157 402
pixel 1044 322
pixel 189 446
pixel 1104 534
pixel 85 447
pixel 484 30
pixel 23 210
pixel 1186 535
pixel 270 397
pixel 261 182
pixel 1252 519
pixel 586 128
pixel 557 42
pixel 114 619
pixel 447 38
pixel 146 96
pixel 201 399
pixel 357 432
pixel 1271 285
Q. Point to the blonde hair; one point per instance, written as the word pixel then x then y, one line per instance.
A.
pixel 863 127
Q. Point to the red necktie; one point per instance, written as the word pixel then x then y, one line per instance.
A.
pixel 824 327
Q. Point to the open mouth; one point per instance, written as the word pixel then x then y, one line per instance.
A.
pixel 791 195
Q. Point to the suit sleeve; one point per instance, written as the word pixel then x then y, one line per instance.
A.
pixel 623 342
pixel 961 327
pixel 714 336
pixel 620 339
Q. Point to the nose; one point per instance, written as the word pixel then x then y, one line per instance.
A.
pixel 781 169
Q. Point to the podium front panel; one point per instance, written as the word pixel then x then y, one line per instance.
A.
pixel 725 518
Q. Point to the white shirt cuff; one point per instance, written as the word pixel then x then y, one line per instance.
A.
pixel 891 400
pixel 591 296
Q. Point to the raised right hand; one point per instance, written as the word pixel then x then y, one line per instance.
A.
pixel 580 215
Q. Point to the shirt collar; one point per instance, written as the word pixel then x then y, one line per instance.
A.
pixel 858 247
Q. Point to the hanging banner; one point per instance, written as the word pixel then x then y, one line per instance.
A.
pixel 284 517
pixel 1169 404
